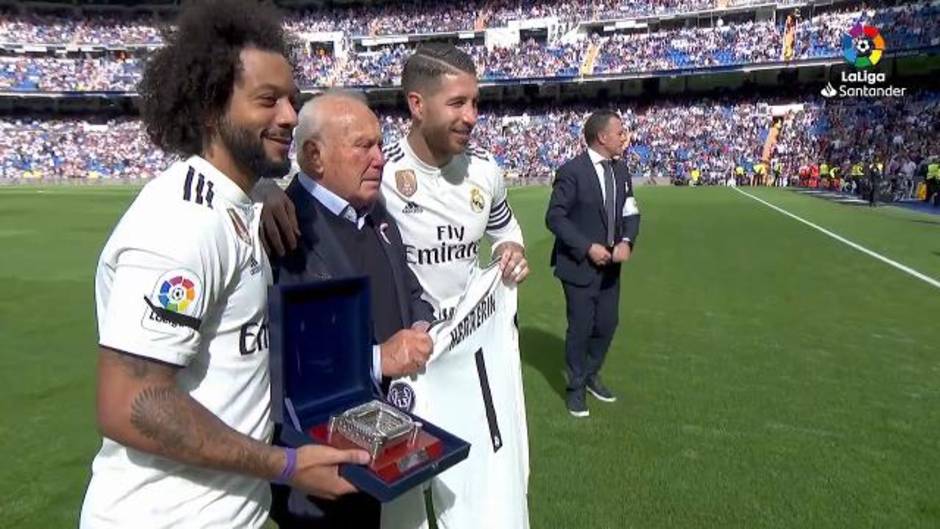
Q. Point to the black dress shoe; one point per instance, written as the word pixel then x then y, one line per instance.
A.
pixel 599 390
pixel 576 403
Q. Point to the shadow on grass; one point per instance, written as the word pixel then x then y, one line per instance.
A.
pixel 546 353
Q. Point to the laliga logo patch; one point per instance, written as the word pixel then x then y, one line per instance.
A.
pixel 406 182
pixel 172 302
pixel 477 203
pixel 177 293
pixel 402 396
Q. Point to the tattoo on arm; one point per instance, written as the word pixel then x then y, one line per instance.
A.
pixel 158 413
pixel 170 423
pixel 184 430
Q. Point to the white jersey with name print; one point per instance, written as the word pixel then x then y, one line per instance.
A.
pixel 472 387
pixel 443 213
pixel 183 281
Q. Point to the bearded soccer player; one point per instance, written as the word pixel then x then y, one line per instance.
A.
pixel 445 195
pixel 183 391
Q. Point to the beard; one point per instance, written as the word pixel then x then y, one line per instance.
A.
pixel 439 140
pixel 247 150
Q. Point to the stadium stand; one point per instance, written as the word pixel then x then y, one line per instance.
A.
pixel 673 135
pixel 722 44
pixel 669 138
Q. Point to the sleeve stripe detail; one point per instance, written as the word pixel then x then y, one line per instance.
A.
pixel 202 184
pixel 199 187
pixel 500 224
pixel 498 209
pixel 210 194
pixel 188 184
pixel 500 217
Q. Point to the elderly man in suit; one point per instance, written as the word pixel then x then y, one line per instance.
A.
pixel 344 230
pixel 595 220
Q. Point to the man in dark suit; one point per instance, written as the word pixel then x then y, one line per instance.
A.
pixel 344 230
pixel 596 222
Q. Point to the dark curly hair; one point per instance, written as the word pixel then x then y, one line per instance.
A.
pixel 187 83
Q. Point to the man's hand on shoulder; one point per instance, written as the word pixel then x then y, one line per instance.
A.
pixel 279 227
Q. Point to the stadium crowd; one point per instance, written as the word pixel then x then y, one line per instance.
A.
pixel 910 26
pixel 55 74
pixel 705 140
pixel 419 16
pixel 70 148
pixel 671 139
pixel 97 28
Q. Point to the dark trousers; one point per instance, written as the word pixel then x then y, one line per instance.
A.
pixel 296 511
pixel 593 313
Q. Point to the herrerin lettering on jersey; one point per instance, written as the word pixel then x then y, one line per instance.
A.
pixel 406 182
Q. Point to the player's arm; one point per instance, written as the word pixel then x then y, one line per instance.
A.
pixel 506 234
pixel 140 406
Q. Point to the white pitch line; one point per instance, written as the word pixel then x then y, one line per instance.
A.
pixel 904 268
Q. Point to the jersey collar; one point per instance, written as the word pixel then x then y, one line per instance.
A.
pixel 419 164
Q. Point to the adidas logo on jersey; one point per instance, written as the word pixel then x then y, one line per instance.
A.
pixel 254 265
pixel 412 208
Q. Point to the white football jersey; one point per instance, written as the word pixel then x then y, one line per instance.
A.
pixel 183 280
pixel 472 387
pixel 443 213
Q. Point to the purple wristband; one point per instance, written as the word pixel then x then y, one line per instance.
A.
pixel 290 466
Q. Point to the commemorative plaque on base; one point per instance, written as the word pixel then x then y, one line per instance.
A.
pixel 395 442
pixel 322 389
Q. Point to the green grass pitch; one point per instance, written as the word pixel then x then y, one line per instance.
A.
pixel 769 376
